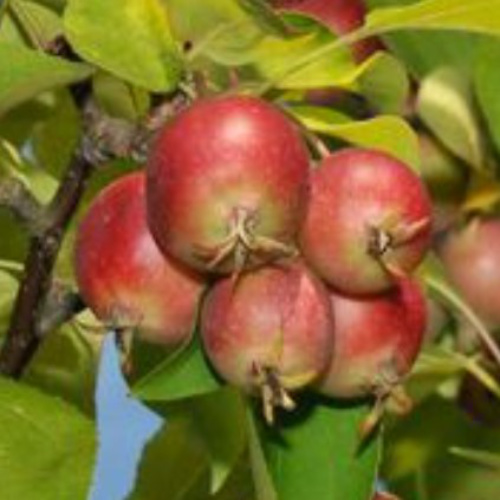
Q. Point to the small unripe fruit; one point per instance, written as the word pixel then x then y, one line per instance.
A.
pixel 122 275
pixel 228 182
pixel 471 257
pixel 377 340
pixel 269 331
pixel 369 220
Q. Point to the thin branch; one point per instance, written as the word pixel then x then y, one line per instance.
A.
pixel 482 332
pixel 16 197
pixel 25 333
pixel 61 305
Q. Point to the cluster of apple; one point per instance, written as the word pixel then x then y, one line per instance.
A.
pixel 308 263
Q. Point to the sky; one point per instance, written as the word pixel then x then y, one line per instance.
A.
pixel 124 427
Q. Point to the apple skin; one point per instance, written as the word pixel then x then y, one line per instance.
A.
pixel 277 316
pixel 377 340
pixel 224 156
pixel 471 257
pixel 121 274
pixel 353 191
pixel 341 16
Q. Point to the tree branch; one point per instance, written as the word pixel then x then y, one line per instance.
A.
pixel 16 197
pixel 25 331
pixel 61 305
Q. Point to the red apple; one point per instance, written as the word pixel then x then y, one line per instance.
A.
pixel 368 221
pixel 377 340
pixel 271 330
pixel 122 275
pixel 228 184
pixel 471 256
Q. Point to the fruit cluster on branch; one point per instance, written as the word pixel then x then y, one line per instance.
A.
pixel 308 266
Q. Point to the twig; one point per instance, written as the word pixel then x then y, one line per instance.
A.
pixel 15 196
pixel 468 314
pixel 25 333
pixel 61 305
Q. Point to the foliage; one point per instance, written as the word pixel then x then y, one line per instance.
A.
pixel 143 60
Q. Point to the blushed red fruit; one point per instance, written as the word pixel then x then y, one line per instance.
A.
pixel 272 330
pixel 341 16
pixel 122 275
pixel 376 341
pixel 369 219
pixel 471 257
pixel 228 182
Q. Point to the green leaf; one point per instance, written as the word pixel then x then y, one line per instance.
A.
pixel 131 39
pixel 47 446
pixel 478 457
pixel 417 447
pixel 272 56
pixel 55 139
pixel 264 487
pixel 265 16
pixel 390 134
pixel 25 73
pixel 487 82
pixel 183 375
pixel 40 182
pixel 317 454
pixel 446 105
pixel 66 364
pixel 120 99
pixel 239 485
pixel 8 290
pixel 234 38
pixel 445 175
pixel 174 465
pixel 482 16
pixel 425 51
pixel 37 24
pixel 201 23
pixel 385 84
pixel 219 419
pixel 433 274
pixel 56 5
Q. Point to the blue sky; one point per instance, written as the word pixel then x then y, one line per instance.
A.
pixel 124 427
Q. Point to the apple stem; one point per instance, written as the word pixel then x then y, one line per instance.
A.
pixel 272 391
pixel 242 242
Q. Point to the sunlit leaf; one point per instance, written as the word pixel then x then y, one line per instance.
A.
pixel 482 16
pixel 446 105
pixel 25 73
pixel 390 134
pixel 44 438
pixel 424 51
pixel 385 84
pixel 131 39
pixel 487 81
